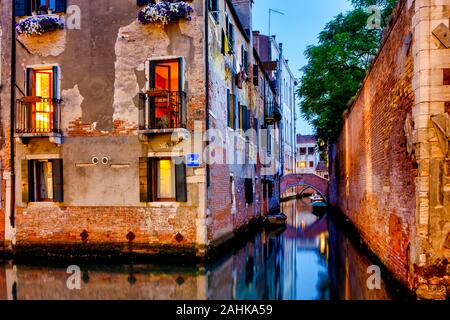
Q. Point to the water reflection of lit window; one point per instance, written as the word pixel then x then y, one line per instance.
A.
pixel 323 243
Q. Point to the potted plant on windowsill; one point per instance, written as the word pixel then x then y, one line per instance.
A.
pixel 162 123
pixel 39 24
pixel 165 12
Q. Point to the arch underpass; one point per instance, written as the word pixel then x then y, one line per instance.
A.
pixel 308 180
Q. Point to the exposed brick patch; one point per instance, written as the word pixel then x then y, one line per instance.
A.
pixel 79 129
pixel 446 77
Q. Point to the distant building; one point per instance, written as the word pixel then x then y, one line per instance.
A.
pixel 271 53
pixel 307 154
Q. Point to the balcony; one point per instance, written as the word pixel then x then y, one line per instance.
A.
pixel 162 111
pixel 273 113
pixel 38 117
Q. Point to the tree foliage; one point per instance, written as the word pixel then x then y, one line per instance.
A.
pixel 337 65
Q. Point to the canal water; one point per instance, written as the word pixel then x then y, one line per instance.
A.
pixel 308 260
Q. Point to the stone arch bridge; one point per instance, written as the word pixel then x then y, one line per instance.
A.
pixel 307 180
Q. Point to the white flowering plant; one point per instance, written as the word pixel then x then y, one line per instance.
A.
pixel 165 12
pixel 37 25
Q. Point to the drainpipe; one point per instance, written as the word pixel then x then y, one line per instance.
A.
pixel 208 170
pixel 12 217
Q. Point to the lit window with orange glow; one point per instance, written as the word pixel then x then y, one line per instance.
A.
pixel 166 180
pixel 42 110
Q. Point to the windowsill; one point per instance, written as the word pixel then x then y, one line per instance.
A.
pixel 47 204
pixel 38 135
pixel 164 204
pixel 158 131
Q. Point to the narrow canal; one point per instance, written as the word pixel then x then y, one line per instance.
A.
pixel 309 260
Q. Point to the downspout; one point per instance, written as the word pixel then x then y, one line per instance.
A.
pixel 12 216
pixel 208 181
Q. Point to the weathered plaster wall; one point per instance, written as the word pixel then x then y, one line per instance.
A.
pixel 103 68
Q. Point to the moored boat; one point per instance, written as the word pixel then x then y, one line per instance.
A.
pixel 276 219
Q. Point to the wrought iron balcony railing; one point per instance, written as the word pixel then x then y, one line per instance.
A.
pixel 162 110
pixel 273 112
pixel 38 115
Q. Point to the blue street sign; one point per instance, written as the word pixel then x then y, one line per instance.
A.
pixel 193 160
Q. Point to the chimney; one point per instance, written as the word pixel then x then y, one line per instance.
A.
pixel 244 11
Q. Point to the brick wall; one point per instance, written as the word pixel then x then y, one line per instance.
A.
pixel 157 227
pixel 374 176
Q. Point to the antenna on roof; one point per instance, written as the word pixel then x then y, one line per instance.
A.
pixel 270 18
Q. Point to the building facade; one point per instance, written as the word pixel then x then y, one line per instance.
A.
pixel 308 157
pixel 120 135
pixel 284 81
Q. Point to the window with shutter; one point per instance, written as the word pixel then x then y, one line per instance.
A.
pixel 214 9
pixel 21 8
pixel 255 75
pixel 43 85
pixel 42 181
pixel 26 7
pixel 162 180
pixel 235 111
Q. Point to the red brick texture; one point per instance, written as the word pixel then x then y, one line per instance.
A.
pixel 153 227
pixel 373 175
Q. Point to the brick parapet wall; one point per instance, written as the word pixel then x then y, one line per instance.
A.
pixel 157 226
pixel 373 173
pixel 389 170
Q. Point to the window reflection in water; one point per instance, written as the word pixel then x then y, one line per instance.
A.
pixel 310 259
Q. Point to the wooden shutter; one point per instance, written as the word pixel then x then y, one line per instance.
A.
pixel 60 5
pixel 22 8
pixel 29 76
pixel 145 179
pixel 180 181
pixel 56 82
pixel 249 191
pixel 231 38
pixel 223 43
pixel 255 75
pixel 229 107
pixel 58 181
pixel 235 112
pixel 240 125
pixel 27 181
pixel 142 104
pixel 151 73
